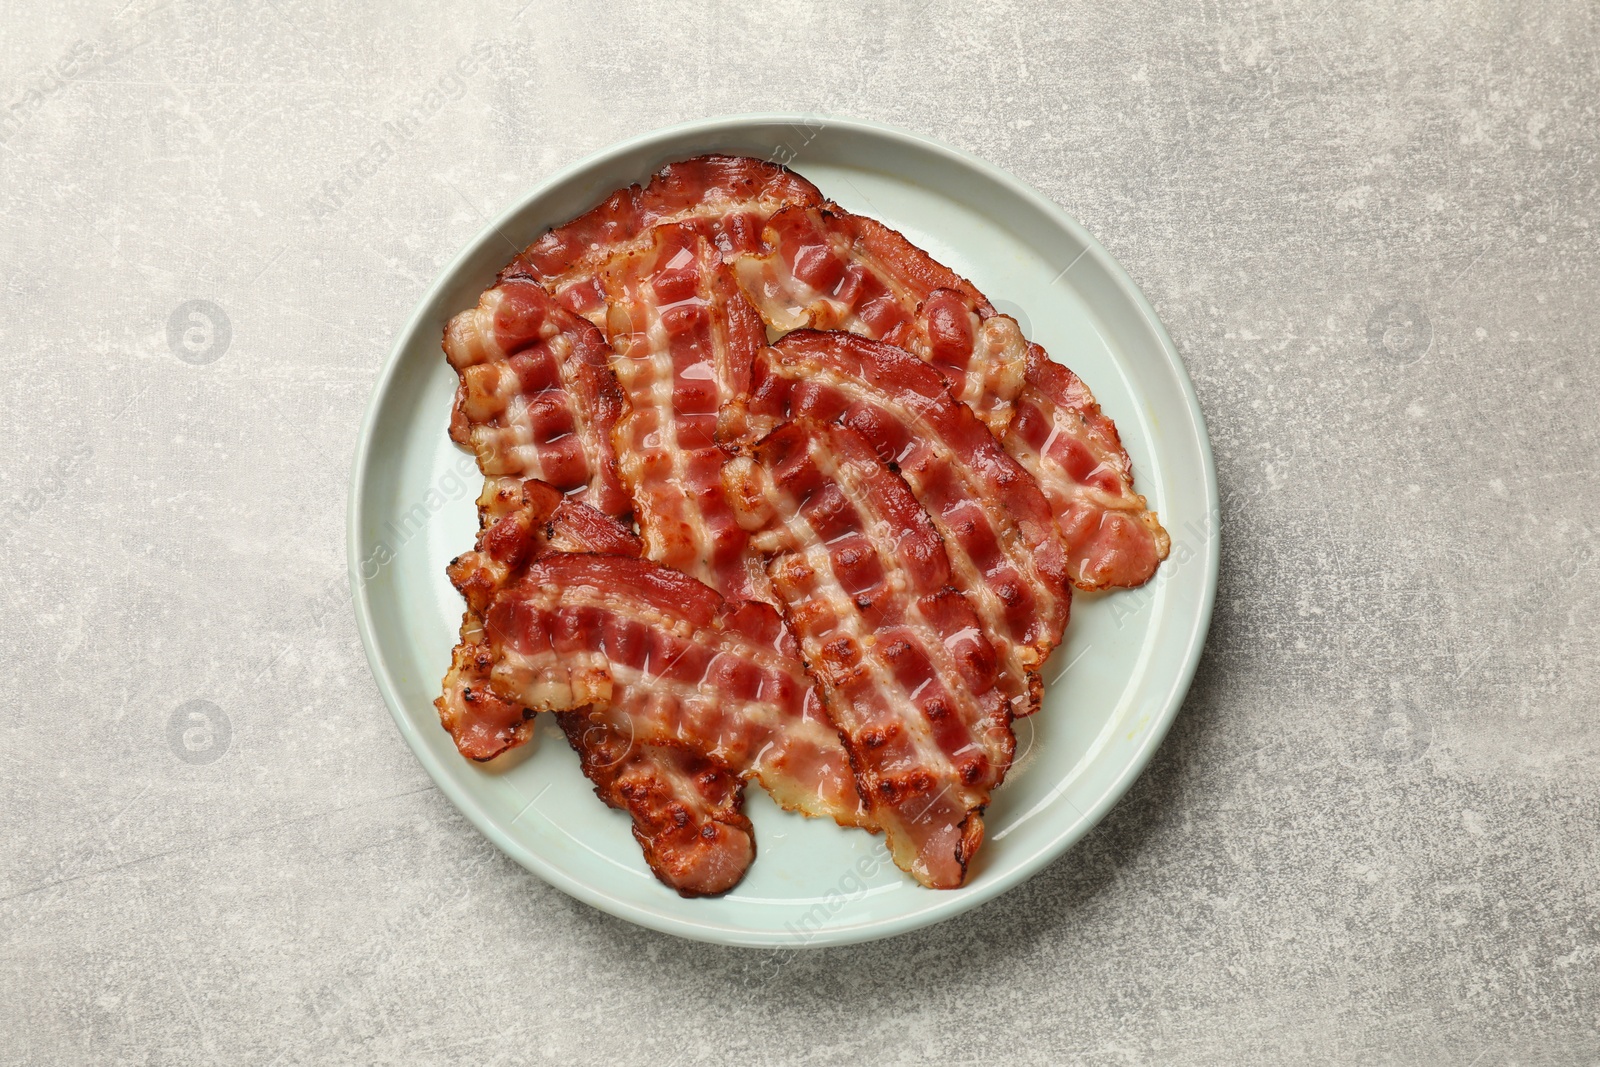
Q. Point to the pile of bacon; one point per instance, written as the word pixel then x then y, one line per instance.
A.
pixel 834 562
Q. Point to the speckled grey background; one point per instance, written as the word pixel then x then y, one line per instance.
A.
pixel 1371 836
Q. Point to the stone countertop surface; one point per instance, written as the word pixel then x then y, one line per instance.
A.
pixel 1371 836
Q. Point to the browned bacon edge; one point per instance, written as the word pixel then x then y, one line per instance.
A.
pixel 518 521
pixel 510 516
pixel 898 654
pixel 686 812
pixel 1006 553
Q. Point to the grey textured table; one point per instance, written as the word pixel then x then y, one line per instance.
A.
pixel 1371 836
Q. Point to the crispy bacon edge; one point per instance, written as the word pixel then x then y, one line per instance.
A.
pixel 1074 451
pixel 686 812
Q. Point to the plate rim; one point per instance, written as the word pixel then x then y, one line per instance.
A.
pixel 464 801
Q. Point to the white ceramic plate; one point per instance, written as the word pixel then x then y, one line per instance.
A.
pixel 1114 686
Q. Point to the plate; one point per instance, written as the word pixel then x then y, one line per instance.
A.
pixel 1113 687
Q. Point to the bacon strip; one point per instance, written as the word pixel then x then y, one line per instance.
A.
pixel 684 341
pixel 511 518
pixel 657 656
pixel 1006 553
pixel 900 657
pixel 687 812
pixel 536 398
pixel 517 521
pixel 1064 440
pixel 827 269
pixel 724 198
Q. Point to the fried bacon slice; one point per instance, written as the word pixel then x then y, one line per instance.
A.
pixel 657 656
pixel 684 340
pixel 827 269
pixel 515 520
pixel 1064 440
pixel 1006 552
pixel 536 398
pixel 686 811
pixel 899 655
pixel 726 199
